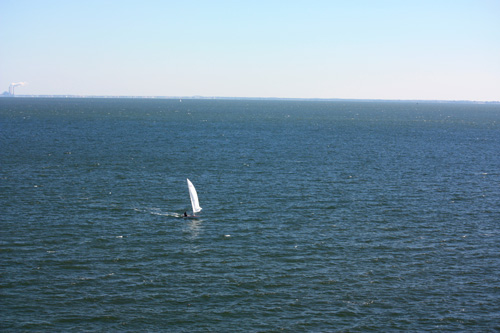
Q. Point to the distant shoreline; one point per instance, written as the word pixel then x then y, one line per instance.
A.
pixel 250 98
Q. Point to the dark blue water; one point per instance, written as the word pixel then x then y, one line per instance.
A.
pixel 317 216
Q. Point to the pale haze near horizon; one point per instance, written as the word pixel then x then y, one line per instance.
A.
pixel 424 50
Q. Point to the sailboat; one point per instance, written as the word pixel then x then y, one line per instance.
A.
pixel 195 204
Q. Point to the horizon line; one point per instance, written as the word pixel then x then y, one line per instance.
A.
pixel 249 98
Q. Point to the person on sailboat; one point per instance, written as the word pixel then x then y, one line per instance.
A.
pixel 185 214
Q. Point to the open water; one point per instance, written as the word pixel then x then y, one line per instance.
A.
pixel 317 215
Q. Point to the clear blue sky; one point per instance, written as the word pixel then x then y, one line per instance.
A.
pixel 399 49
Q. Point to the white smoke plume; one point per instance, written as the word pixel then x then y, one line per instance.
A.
pixel 14 85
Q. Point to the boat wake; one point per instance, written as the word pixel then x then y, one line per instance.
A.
pixel 157 211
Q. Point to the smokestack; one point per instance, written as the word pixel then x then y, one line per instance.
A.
pixel 13 85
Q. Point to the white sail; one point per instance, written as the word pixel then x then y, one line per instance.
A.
pixel 194 197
